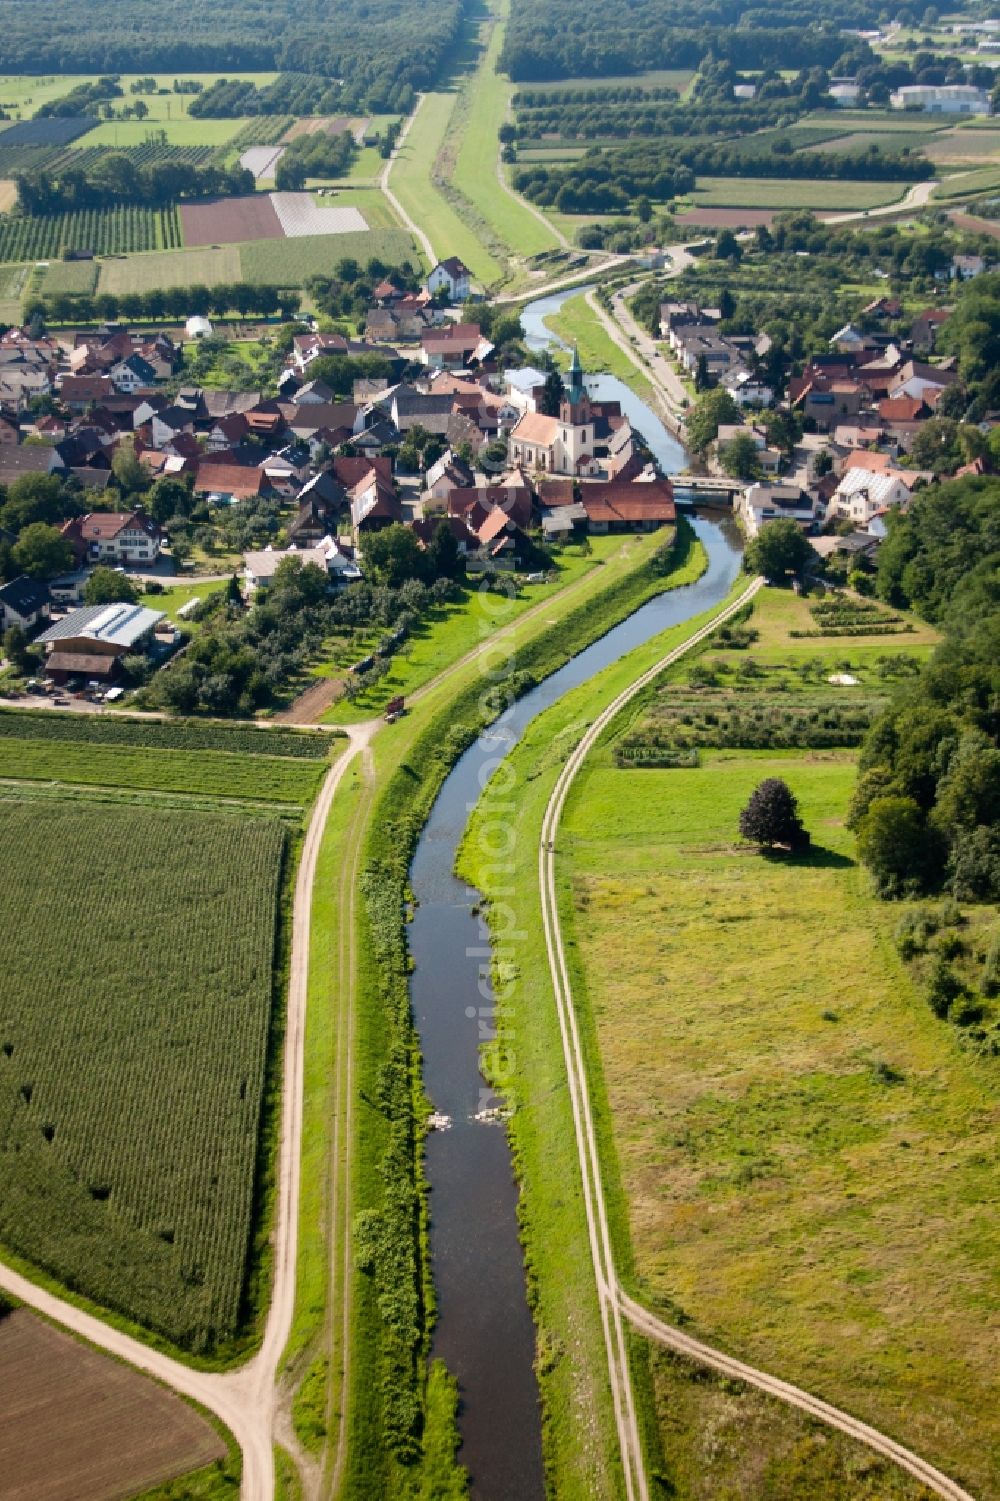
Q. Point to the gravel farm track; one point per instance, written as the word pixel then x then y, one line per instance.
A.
pixel 615 1302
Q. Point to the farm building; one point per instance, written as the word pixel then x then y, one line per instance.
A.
pixel 943 99
pixel 90 642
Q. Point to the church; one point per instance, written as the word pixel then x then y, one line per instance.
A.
pixel 588 440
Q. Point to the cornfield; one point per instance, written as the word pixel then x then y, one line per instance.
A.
pixel 104 231
pixel 139 951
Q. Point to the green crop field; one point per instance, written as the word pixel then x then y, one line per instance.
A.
pixel 155 734
pixel 895 121
pixel 186 131
pixel 83 763
pixel 289 263
pixel 886 141
pixel 176 268
pixel 963 145
pixel 139 949
pixel 962 184
pixel 657 78
pixel 13 281
pixel 786 192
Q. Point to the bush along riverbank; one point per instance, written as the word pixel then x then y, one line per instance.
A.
pixel 402 1416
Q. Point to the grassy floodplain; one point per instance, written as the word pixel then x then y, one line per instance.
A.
pixel 375 810
pixel 809 1191
pixel 577 323
pixel 483 106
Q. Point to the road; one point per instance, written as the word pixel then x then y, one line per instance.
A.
pixel 615 1303
pixel 918 197
pixel 383 182
pixel 245 1400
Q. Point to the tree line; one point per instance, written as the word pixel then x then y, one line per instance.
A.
pixel 175 303
pixel 117 179
pixel 377 50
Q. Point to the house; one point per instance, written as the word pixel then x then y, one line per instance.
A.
pixel 374 504
pixel 916 378
pixel 925 328
pixel 114 537
pixel 903 415
pixel 965 267
pixel 23 602
pixel 78 392
pixel 222 481
pixel 524 387
pixel 335 558
pixel 849 339
pixel 453 346
pixel 748 390
pixel 26 458
pixel 760 503
pixel 452 277
pixel 862 493
pixel 769 459
pixel 90 642
pixel 132 374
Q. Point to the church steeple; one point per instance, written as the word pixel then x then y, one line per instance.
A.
pixel 574 383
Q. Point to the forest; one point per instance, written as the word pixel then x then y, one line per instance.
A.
pixel 289 94
pixel 572 38
pixel 378 51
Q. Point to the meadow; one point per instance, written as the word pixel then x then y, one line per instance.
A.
pixel 412 182
pixel 810 1191
pixel 130 1098
pixel 178 268
pixel 576 323
pixel 482 108
pixel 291 262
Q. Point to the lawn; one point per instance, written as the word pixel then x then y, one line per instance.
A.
pixel 411 180
pixel 788 193
pixel 130 1101
pixel 482 108
pixel 171 599
pixel 577 323
pixel 289 263
pixel 170 268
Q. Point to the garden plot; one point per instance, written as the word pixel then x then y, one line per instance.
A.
pixel 261 160
pixel 299 214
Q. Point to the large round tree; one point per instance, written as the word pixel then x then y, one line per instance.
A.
pixel 772 816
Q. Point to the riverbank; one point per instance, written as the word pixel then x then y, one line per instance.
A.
pixel 581 1449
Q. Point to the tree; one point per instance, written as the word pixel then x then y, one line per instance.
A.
pixel 131 474
pixel 895 844
pixel 394 555
pixel 15 645
pixel 33 497
pixel 42 551
pixel 106 586
pixel 739 457
pixel 780 548
pixel 727 247
pixel 443 558
pixel 552 394
pixel 772 816
pixel 709 412
pixel 643 209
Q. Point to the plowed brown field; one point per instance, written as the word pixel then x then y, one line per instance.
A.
pixel 74 1424
pixel 227 221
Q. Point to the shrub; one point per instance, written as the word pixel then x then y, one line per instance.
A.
pixel 989 980
pixel 944 989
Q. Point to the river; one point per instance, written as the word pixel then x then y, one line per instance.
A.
pixel 484 1330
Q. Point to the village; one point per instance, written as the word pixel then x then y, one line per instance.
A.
pixel 510 458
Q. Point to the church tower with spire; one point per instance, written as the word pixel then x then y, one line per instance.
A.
pixel 575 407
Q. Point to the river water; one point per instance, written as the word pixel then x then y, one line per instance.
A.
pixel 484 1330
